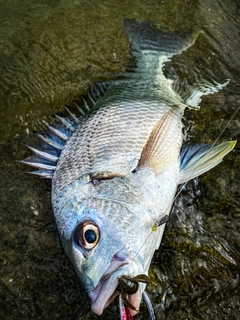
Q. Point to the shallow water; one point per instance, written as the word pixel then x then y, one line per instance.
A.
pixel 50 52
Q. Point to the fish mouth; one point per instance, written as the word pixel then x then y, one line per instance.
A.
pixel 107 290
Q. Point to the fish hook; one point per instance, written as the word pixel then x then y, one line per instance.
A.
pixel 125 313
pixel 128 285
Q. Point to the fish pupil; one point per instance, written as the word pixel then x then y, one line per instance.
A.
pixel 90 236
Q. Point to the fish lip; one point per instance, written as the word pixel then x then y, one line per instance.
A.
pixel 135 300
pixel 105 291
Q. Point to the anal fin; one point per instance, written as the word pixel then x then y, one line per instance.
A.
pixel 192 95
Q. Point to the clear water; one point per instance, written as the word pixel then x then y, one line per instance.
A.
pixel 50 52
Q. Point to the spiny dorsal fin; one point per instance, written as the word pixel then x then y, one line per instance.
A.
pixel 155 154
pixel 56 135
pixel 95 92
pixel 196 159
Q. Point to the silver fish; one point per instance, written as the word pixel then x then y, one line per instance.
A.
pixel 115 169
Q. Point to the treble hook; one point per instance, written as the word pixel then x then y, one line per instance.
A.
pixel 128 285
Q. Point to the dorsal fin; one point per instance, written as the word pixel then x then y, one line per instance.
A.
pixel 57 134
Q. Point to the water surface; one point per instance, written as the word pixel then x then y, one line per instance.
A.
pixel 50 52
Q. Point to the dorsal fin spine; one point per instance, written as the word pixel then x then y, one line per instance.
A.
pixel 91 98
pixel 72 115
pixel 42 174
pixel 42 154
pixel 85 104
pixel 38 165
pixel 96 89
pixel 56 131
pixel 81 109
pixel 65 122
pixel 49 142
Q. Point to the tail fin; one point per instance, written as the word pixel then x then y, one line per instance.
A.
pixel 152 47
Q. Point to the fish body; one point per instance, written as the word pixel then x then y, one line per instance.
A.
pixel 119 165
pixel 105 187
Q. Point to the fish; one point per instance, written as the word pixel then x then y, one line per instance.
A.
pixel 116 165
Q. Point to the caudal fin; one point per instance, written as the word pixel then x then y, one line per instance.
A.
pixel 152 47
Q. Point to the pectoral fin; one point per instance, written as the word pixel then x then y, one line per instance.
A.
pixel 197 159
pixel 155 154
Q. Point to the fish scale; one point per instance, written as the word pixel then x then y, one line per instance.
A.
pixel 110 140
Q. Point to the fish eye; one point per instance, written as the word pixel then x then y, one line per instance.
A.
pixel 87 235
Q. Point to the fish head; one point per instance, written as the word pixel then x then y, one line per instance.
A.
pixel 104 241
